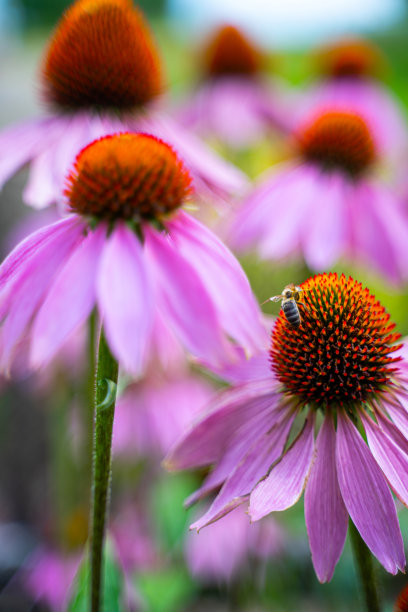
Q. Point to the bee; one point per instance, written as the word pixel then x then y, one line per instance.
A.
pixel 290 297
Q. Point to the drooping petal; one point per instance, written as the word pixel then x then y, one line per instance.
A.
pixel 208 169
pixel 324 232
pixel 392 431
pixel 239 443
pixel 325 514
pixel 367 497
pixel 224 280
pixel 70 300
pixel 30 278
pixel 209 438
pixel 284 485
pixel 125 298
pixel 184 300
pixel 398 412
pixel 249 471
pixel 20 143
pixel 41 189
pixel 391 459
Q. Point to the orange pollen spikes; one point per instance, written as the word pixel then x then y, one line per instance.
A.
pixel 127 176
pixel 338 141
pixel 340 353
pixel 229 52
pixel 350 58
pixel 102 55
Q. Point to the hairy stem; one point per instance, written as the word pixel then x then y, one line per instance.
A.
pixel 105 396
pixel 366 571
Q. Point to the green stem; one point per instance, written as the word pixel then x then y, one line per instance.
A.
pixel 105 396
pixel 366 571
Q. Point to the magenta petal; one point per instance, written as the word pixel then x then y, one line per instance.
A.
pixel 239 443
pixel 367 497
pixel 325 514
pixel 208 439
pixel 249 471
pixel 184 300
pixel 391 459
pixel 31 276
pixel 70 300
pixel 398 412
pixel 224 280
pixel 41 189
pixel 284 485
pixel 125 298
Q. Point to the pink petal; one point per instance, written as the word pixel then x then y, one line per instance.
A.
pixel 249 471
pixel 398 412
pixel 41 189
pixel 125 298
pixel 184 300
pixel 22 142
pixel 391 459
pixel 325 514
pixel 392 431
pixel 208 439
pixel 284 485
pixel 367 497
pixel 224 280
pixel 239 443
pixel 70 300
pixel 328 221
pixel 30 278
pixel 207 168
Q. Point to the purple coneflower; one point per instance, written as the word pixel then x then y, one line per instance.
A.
pixel 127 248
pixel 327 202
pixel 102 74
pixel 234 96
pixel 349 75
pixel 338 373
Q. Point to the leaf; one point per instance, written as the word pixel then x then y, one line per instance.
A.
pixel 113 585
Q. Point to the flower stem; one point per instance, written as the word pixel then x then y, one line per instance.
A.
pixel 366 571
pixel 105 396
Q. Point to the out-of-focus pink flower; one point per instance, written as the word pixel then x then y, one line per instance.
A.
pixel 224 548
pixel 340 362
pixel 49 578
pixel 234 101
pixel 94 94
pixel 328 202
pixel 154 413
pixel 348 74
pixel 126 248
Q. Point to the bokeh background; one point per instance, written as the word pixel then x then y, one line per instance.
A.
pixel 43 487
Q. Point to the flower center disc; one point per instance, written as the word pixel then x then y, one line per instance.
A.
pixel 340 354
pixel 229 52
pixel 352 58
pixel 102 55
pixel 127 176
pixel 338 140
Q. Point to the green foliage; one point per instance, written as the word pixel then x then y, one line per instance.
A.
pixel 112 586
pixel 165 591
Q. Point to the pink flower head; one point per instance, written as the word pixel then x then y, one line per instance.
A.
pixel 223 549
pixel 337 372
pixel 102 74
pixel 128 249
pixel 328 203
pixel 153 413
pixel 349 76
pixel 234 102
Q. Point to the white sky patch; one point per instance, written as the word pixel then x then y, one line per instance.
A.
pixel 291 23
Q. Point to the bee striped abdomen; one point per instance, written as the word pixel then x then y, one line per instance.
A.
pixel 291 311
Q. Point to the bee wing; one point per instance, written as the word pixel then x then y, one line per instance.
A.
pixel 275 298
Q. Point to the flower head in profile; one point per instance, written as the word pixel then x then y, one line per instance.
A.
pixel 127 248
pixel 234 102
pixel 340 374
pixel 101 74
pixel 329 201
